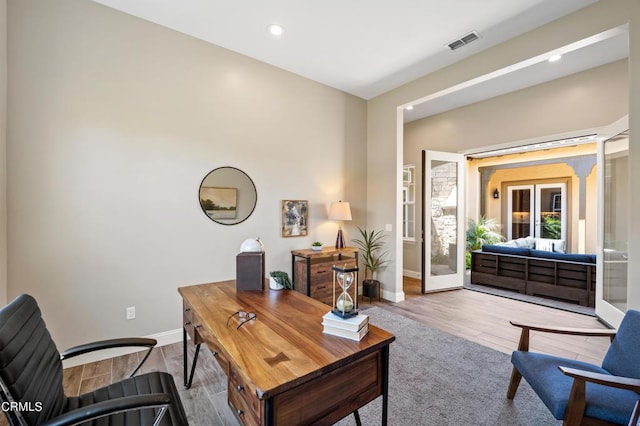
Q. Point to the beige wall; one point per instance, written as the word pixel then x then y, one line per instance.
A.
pixel 3 152
pixel 547 173
pixel 584 100
pixel 113 123
pixel 385 131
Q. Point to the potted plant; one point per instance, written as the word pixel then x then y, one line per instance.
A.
pixel 316 246
pixel 370 244
pixel 279 280
pixel 484 231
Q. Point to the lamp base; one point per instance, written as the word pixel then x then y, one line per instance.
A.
pixel 340 240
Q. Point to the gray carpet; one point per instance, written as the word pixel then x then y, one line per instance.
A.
pixel 439 379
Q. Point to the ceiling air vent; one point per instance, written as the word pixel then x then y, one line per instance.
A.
pixel 464 40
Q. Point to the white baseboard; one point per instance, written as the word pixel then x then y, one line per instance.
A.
pixel 411 274
pixel 393 296
pixel 163 338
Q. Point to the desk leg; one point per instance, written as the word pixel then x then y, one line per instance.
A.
pixel 268 412
pixel 309 276
pixel 293 271
pixel 385 383
pixel 356 416
pixel 187 382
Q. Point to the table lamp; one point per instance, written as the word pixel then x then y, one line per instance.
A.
pixel 340 211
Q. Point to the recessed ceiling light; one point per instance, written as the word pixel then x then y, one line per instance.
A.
pixel 275 30
pixel 555 58
pixel 409 108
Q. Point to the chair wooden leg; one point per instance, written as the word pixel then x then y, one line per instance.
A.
pixel 575 408
pixel 514 383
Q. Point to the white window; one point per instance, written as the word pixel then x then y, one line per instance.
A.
pixel 409 203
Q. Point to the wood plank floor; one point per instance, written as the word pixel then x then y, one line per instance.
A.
pixel 475 316
pixel 484 319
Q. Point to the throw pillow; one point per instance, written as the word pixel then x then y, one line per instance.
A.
pixel 558 245
pixel 544 244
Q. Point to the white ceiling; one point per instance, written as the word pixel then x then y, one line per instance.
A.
pixel 368 47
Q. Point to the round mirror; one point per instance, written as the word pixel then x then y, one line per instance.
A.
pixel 227 195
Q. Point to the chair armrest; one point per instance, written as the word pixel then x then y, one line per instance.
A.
pixel 568 330
pixel 524 336
pixel 113 343
pixel 108 344
pixel 114 406
pixel 603 379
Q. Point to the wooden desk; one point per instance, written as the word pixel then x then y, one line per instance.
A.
pixel 281 368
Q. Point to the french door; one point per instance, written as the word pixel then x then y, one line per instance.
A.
pixel 537 210
pixel 613 223
pixel 520 214
pixel 443 221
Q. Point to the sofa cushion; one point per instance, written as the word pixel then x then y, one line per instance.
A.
pixel 567 257
pixel 493 248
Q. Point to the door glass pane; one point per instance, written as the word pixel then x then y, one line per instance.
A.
pixel 616 220
pixel 551 213
pixel 520 213
pixel 444 213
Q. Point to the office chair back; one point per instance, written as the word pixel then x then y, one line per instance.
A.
pixel 30 366
pixel 623 356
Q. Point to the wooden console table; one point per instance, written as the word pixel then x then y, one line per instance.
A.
pixel 312 274
pixel 281 368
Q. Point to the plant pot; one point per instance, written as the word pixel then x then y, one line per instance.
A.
pixel 316 248
pixel 275 285
pixel 370 288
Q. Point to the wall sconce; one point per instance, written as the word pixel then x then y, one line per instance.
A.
pixel 496 194
pixel 340 211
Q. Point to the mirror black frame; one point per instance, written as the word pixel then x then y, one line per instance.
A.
pixel 234 179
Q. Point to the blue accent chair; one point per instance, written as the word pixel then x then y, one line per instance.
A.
pixel 578 392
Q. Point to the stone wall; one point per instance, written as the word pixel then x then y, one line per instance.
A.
pixel 443 211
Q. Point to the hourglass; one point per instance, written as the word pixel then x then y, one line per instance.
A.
pixel 344 306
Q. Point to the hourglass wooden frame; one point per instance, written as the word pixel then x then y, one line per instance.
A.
pixel 341 312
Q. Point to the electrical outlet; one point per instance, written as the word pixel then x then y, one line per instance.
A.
pixel 131 312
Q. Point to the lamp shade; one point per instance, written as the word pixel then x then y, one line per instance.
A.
pixel 340 210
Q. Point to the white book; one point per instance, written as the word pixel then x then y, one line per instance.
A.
pixel 354 323
pixel 341 332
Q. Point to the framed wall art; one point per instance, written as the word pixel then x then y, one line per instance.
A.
pixel 295 214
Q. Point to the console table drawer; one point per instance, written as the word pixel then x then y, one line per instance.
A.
pixel 242 397
pixel 320 276
pixel 323 292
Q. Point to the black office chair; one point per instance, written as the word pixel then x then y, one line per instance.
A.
pixel 31 389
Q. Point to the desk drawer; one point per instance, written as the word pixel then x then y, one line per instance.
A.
pixel 214 347
pixel 242 397
pixel 328 398
pixel 189 324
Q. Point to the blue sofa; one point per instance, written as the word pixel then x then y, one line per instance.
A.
pixel 566 276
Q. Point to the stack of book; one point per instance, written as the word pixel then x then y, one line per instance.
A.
pixel 354 328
